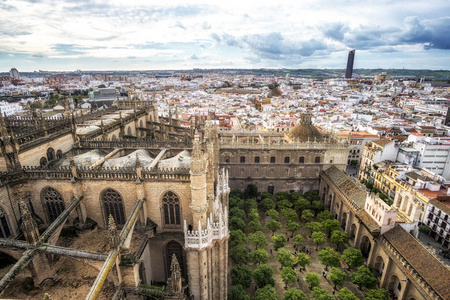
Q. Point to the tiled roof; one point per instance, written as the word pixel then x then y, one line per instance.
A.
pixel 347 186
pixel 368 221
pixel 444 206
pixel 426 264
pixel 382 142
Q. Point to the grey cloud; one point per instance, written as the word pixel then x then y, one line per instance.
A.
pixel 194 56
pixel 432 33
pixel 206 25
pixel 272 46
pixel 216 37
pixel 335 31
pixel 179 25
pixel 37 56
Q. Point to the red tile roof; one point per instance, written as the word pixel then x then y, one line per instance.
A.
pixel 426 264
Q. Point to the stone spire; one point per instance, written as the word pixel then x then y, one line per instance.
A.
pixel 47 297
pixel 29 226
pixel 113 233
pixel 175 286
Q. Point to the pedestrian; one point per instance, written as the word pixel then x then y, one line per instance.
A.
pixel 324 274
pixel 298 279
pixel 270 250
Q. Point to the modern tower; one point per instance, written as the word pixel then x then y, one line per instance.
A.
pixel 14 74
pixel 351 58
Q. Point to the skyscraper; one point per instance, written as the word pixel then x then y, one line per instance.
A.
pixel 351 58
pixel 14 74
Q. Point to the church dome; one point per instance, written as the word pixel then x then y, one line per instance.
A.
pixel 305 131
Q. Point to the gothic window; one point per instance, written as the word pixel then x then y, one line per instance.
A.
pixel 129 131
pixel 59 154
pixel 317 160
pixel 53 202
pixel 43 162
pixel 112 202
pixel 287 159
pixel 171 206
pixel 4 227
pixel 257 159
pixel 301 160
pixel 50 154
pixel 242 159
pixel 272 159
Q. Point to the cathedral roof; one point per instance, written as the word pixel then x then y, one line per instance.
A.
pixel 181 160
pixel 85 160
pixel 130 160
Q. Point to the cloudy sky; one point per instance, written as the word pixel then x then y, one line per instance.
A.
pixel 148 34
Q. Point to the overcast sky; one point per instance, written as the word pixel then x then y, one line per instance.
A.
pixel 138 35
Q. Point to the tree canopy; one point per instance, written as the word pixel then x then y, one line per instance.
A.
pixel 318 238
pixel 364 278
pixel 285 258
pixel 239 254
pixel 339 238
pixel 353 257
pixel 312 279
pixel 337 277
pixel 274 226
pixel 279 240
pixel 307 215
pixel 376 294
pixel 266 293
pixel 258 239
pixel 329 257
pixel 298 240
pixel 288 276
pixel 330 226
pixel 236 292
pixel 263 275
pixel 237 237
pixel 294 294
pixel 303 259
pixel 321 294
pixel 241 274
pixel 346 294
pixel 259 256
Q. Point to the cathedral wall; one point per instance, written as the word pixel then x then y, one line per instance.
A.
pixel 154 192
pixel 5 204
pixel 32 156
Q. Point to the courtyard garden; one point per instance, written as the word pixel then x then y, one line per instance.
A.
pixel 287 246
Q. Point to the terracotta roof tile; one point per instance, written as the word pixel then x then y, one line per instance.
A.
pixel 426 264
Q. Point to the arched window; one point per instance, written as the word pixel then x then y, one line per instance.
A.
pixel 112 202
pixel 53 202
pixel 4 227
pixel 50 154
pixel 59 154
pixel 129 131
pixel 43 162
pixel 171 206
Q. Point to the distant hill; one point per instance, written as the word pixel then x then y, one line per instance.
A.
pixel 315 73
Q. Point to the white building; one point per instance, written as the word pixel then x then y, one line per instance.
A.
pixel 8 109
pixel 433 154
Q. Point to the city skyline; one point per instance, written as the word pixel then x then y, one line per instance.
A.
pixel 139 35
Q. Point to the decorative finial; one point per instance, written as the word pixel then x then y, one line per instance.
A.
pixel 113 234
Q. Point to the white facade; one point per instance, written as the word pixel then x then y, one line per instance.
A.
pixel 9 109
pixel 434 154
